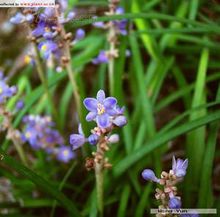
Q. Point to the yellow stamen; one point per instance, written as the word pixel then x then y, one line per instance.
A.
pixel 65 153
pixel 27 135
pixel 27 59
pixel 1 90
pixel 100 109
pixel 44 47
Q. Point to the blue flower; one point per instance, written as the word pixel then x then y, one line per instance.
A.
pixel 40 29
pixel 77 140
pixel 65 154
pixel 39 133
pixel 148 174
pixel 100 109
pixel 5 91
pixel 174 203
pixel 18 18
pixel 101 58
pixel 93 139
pixel 80 34
pixel 19 105
pixel 47 48
pixel 179 167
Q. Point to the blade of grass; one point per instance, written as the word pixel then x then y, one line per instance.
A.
pixel 131 159
pixel 39 181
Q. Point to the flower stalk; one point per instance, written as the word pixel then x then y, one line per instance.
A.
pixel 99 170
pixel 44 82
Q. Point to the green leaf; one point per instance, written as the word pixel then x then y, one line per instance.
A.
pixel 156 142
pixel 40 182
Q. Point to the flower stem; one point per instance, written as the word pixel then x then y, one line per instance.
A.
pixel 44 82
pixel 99 169
pixel 111 70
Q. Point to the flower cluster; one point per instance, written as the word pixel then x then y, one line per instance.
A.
pixel 107 115
pixel 5 194
pixel 47 32
pixel 40 134
pixel 115 29
pixel 6 91
pixel 168 195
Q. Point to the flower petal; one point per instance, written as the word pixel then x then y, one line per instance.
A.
pixel 103 120
pixel 91 116
pixel 111 111
pixel 110 102
pixel 120 121
pixel 76 140
pixel 90 104
pixel 100 96
pixel 148 174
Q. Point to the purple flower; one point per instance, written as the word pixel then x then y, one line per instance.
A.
pixel 148 174
pixel 114 138
pixel 93 139
pixel 179 167
pixel 174 203
pixel 40 29
pixel 65 154
pixel 120 121
pixel 80 34
pixel 47 48
pixel 19 104
pixel 18 18
pixel 99 24
pixel 39 133
pixel 77 140
pixel 101 58
pixel 5 91
pixel 100 109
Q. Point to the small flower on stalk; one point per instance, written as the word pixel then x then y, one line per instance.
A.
pixel 148 174
pixel 101 58
pixel 39 132
pixel 101 109
pixel 168 195
pixel 174 203
pixel 65 154
pixel 77 140
pixel 6 91
pixel 104 111
pixel 179 167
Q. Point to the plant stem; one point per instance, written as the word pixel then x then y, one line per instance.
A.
pixel 99 169
pixel 20 152
pixel 111 70
pixel 44 82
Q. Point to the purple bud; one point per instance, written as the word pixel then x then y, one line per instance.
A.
pixel 19 104
pixel 93 139
pixel 120 10
pixel 71 15
pixel 80 34
pixel 77 141
pixel 29 18
pixel 113 138
pixel 174 203
pixel 65 154
pixel 148 174
pixel 120 121
pixel 18 18
pixel 101 58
